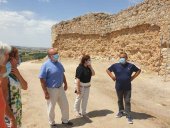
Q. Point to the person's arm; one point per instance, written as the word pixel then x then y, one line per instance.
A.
pixel 23 83
pixel 64 78
pixel 78 75
pixel 136 74
pixel 65 83
pixel 44 87
pixel 111 75
pixel 78 85
pixel 92 70
pixel 42 77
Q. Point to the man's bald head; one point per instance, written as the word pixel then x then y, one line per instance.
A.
pixel 52 51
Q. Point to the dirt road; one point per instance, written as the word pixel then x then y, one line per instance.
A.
pixel 150 100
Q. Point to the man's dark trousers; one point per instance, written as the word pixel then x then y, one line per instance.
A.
pixel 126 95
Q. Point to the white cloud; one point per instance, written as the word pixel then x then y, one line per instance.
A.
pixel 3 1
pixel 22 28
pixel 27 14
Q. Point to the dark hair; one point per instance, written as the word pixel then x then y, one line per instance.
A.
pixel 13 53
pixel 84 59
pixel 123 53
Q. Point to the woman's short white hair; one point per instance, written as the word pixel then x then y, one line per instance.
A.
pixel 4 48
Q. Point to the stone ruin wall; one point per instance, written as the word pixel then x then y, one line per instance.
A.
pixel 136 30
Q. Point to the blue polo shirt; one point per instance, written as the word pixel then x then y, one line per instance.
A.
pixel 53 73
pixel 123 75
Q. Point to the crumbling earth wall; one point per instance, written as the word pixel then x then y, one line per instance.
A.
pixel 136 31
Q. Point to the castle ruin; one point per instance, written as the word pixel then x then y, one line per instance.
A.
pixel 143 31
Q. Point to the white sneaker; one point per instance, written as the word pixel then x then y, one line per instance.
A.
pixel 85 116
pixel 78 115
pixel 119 114
pixel 130 120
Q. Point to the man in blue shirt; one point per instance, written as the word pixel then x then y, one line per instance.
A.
pixel 123 75
pixel 52 78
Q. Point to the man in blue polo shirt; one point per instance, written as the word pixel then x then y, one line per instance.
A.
pixel 52 78
pixel 123 75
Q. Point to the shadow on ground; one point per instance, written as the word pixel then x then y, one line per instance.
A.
pixel 141 116
pixel 84 120
pixel 99 113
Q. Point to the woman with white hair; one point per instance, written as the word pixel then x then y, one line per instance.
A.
pixel 4 55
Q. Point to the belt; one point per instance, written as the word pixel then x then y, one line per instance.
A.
pixel 55 87
pixel 85 86
pixel 58 87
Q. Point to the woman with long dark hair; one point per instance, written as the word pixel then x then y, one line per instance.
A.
pixel 84 72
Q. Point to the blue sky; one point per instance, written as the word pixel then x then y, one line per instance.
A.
pixel 28 22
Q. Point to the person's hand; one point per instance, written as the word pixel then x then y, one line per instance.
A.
pixel 65 87
pixel 114 78
pixel 47 96
pixel 89 65
pixel 132 78
pixel 78 92
pixel 16 72
pixel 13 124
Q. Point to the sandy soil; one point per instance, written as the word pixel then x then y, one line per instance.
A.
pixel 150 100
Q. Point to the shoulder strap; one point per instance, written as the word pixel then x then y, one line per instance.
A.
pixel 13 76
